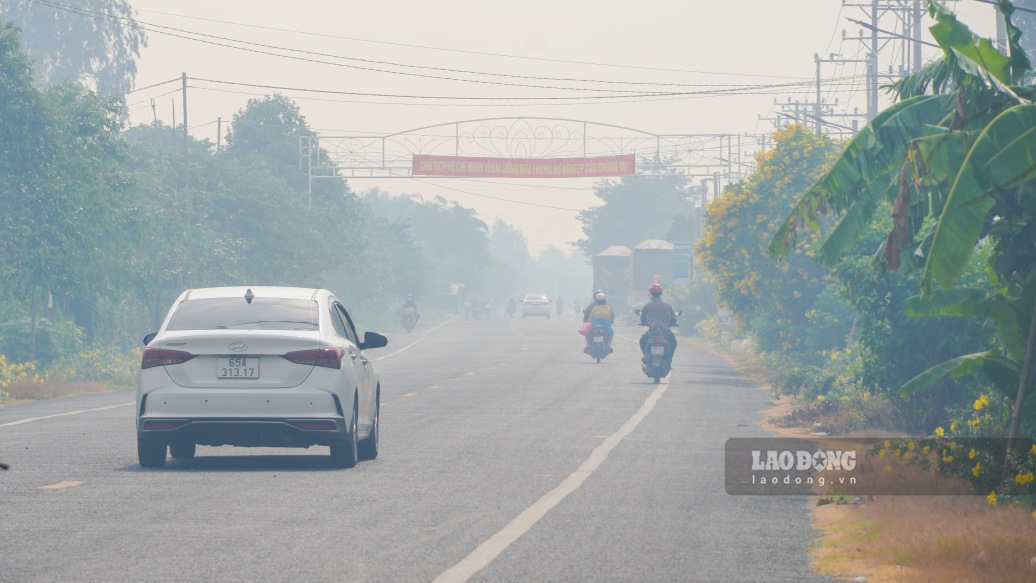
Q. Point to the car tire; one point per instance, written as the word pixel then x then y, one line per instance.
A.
pixel 182 451
pixel 346 453
pixel 368 448
pixel 150 454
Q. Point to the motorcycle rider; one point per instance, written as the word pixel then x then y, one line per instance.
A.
pixel 561 307
pixel 511 306
pixel 410 303
pixel 600 314
pixel 657 313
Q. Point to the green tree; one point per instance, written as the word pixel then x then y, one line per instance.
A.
pixel 94 42
pixel 455 241
pixel 771 300
pixel 270 129
pixel 63 191
pixel 953 159
pixel 634 209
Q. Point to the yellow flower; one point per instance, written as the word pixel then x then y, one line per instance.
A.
pixel 926 449
pixel 953 427
pixel 820 397
pixel 939 431
pixel 888 468
pixel 971 454
pixel 887 443
pixel 1023 479
pixel 881 453
pixel 991 498
pixel 1034 514
pixel 1034 449
pixel 975 470
pixel 948 459
pixel 910 445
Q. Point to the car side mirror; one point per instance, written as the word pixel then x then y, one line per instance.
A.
pixel 373 340
pixel 679 312
pixel 149 338
pixel 636 311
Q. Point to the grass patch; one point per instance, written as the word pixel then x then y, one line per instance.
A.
pixel 928 538
pixel 28 390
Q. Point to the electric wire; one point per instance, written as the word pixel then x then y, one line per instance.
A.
pixel 203 38
pixel 479 53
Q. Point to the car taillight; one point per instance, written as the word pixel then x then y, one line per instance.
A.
pixel 162 356
pixel 329 357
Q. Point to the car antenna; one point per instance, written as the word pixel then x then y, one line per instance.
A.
pixel 249 296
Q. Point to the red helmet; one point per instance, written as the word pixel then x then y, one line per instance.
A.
pixel 655 289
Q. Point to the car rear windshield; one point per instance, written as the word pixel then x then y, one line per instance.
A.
pixel 538 298
pixel 237 314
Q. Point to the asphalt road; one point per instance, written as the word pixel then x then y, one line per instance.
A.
pixel 506 455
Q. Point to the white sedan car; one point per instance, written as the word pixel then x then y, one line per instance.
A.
pixel 536 305
pixel 258 367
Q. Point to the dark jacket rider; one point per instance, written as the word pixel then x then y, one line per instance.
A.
pixel 657 314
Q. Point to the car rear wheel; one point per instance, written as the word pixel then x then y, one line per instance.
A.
pixel 182 451
pixel 150 455
pixel 346 453
pixel 369 447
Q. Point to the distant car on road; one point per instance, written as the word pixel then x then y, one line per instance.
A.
pixel 536 305
pixel 258 367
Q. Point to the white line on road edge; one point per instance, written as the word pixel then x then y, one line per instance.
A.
pixel 407 347
pixel 496 544
pixel 31 419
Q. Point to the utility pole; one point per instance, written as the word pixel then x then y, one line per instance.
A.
pixel 219 132
pixel 186 167
pixel 915 17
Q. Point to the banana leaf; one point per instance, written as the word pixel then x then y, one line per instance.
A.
pixel 953 368
pixel 863 174
pixel 957 41
pixel 1003 154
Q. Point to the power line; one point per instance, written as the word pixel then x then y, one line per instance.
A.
pixel 746 90
pixel 479 53
pixel 203 38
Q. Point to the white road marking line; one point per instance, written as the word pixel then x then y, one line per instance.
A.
pixel 409 394
pixel 414 343
pixel 489 550
pixel 31 419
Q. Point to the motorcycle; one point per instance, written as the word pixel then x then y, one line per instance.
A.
pixel 657 365
pixel 598 346
pixel 409 318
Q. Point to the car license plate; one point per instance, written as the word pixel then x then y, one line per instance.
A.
pixel 237 367
pixel 658 349
pixel 598 338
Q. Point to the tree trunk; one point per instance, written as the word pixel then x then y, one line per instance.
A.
pixel 34 308
pixel 1023 384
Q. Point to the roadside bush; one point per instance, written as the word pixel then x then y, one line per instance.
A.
pixel 107 365
pixel 12 373
pixel 54 340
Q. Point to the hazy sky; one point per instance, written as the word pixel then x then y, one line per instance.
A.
pixel 654 45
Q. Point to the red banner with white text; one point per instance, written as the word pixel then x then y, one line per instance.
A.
pixel 523 167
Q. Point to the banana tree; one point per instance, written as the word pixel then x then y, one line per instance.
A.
pixel 955 159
